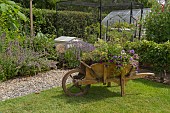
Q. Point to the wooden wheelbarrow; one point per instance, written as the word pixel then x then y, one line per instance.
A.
pixel 77 81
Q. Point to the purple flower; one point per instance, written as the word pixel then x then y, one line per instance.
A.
pixel 125 57
pixel 132 51
pixel 114 57
pixel 83 46
pixel 135 56
pixel 123 52
pixel 120 57
pixel 110 60
pixel 131 58
pixel 119 65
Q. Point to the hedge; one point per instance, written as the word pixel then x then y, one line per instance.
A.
pixel 70 23
pixel 153 54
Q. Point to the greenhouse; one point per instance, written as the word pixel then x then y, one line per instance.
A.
pixel 124 16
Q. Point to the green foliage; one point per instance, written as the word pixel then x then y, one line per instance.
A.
pixel 156 55
pixel 23 57
pixel 8 68
pixel 92 32
pixel 119 34
pixel 10 16
pixel 73 23
pixel 71 57
pixel 43 4
pixel 157 24
pixel 45 44
pixel 99 54
pixel 146 3
pixel 69 23
pixel 111 53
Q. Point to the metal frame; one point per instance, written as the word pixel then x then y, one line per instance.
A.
pixel 100 6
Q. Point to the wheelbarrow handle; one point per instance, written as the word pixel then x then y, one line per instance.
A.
pixel 85 64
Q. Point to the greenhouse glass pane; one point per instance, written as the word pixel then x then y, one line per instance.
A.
pixel 123 16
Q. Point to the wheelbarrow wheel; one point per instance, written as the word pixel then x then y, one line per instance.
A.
pixel 70 86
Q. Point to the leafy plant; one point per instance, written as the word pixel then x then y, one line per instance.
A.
pixel 119 34
pixel 10 16
pixel 71 57
pixel 156 56
pixel 157 24
pixel 92 32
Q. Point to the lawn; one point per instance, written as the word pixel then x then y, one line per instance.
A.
pixel 142 96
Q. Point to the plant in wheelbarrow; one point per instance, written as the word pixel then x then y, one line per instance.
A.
pixel 111 53
pixel 107 63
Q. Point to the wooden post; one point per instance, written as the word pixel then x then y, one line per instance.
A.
pixel 122 83
pixel 105 73
pixel 31 20
pixel 108 84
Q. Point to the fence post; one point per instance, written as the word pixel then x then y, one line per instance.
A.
pixel 31 19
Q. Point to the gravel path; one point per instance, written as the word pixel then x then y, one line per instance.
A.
pixel 34 84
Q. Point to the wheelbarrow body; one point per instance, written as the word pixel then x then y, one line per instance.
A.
pixel 83 77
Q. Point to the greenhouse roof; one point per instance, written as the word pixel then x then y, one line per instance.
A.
pixel 123 16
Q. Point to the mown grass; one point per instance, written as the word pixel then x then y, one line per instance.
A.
pixel 142 96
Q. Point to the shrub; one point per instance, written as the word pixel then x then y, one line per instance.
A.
pixel 156 55
pixel 157 24
pixel 19 59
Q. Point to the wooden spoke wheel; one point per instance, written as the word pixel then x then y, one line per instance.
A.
pixel 70 83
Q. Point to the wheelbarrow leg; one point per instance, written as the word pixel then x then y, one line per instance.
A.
pixel 109 84
pixel 122 83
